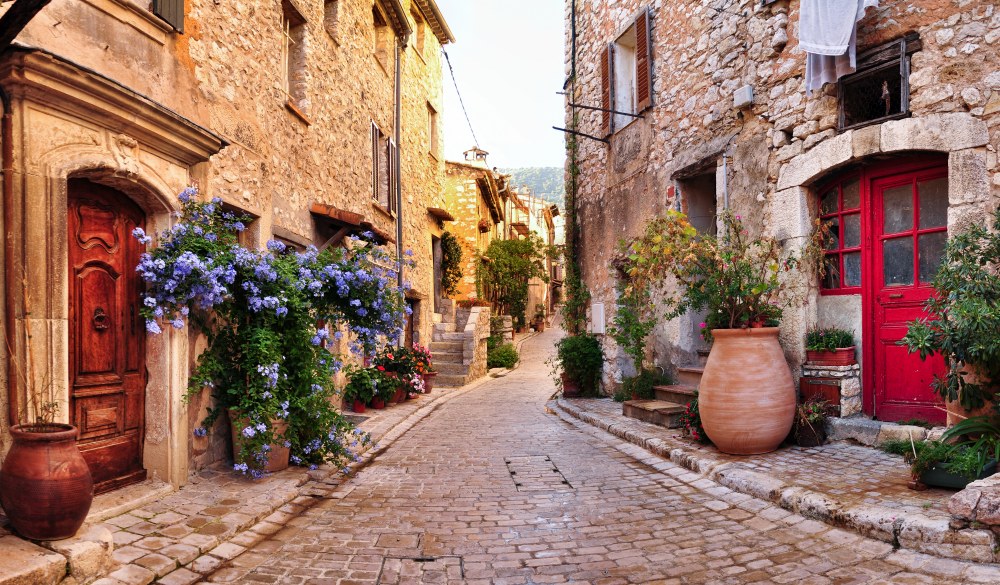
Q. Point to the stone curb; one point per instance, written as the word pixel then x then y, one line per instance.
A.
pixel 915 532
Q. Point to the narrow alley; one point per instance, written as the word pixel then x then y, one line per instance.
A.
pixel 492 489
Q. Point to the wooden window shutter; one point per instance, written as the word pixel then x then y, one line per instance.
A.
pixel 391 156
pixel 607 88
pixel 171 11
pixel 643 62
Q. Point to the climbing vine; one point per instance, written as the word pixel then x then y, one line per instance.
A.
pixel 451 263
pixel 633 322
pixel 574 308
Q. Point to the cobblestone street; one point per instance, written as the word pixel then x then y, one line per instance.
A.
pixel 492 489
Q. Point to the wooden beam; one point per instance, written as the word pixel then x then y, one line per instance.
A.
pixel 16 18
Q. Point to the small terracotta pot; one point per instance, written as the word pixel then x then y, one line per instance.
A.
pixel 570 388
pixel 378 403
pixel 429 381
pixel 746 397
pixel 400 395
pixel 278 455
pixel 45 484
pixel 358 406
pixel 842 356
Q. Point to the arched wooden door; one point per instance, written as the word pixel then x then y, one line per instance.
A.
pixel 106 334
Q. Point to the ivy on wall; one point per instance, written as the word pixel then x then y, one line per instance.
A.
pixel 451 263
pixel 574 309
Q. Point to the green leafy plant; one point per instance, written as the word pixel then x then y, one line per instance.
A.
pixel 641 386
pixel 574 308
pixel 964 317
pixel 502 356
pixel 916 422
pixel 632 322
pixel 895 446
pixel 503 273
pixel 363 384
pixel 735 276
pixel 828 338
pixel 451 263
pixel 690 421
pixel 580 357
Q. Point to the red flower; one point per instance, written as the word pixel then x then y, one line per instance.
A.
pixel 389 355
pixel 381 368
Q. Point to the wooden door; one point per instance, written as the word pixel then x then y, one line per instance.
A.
pixel 106 334
pixel 438 254
pixel 909 228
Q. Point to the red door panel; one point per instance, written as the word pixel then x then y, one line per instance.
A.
pixel 107 350
pixel 908 228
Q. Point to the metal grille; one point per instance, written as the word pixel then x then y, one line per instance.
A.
pixel 399 570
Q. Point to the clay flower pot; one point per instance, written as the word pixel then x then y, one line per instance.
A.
pixel 45 484
pixel 842 356
pixel 957 413
pixel 378 403
pixel 570 388
pixel 746 397
pixel 278 456
pixel 429 381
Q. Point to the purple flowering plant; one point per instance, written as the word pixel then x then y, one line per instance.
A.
pixel 268 315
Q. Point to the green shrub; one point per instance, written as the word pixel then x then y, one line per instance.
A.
pixel 503 356
pixel 580 357
pixel 828 339
pixel 641 386
pixel 896 447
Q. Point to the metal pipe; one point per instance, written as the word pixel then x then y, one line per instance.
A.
pixel 7 170
pixel 398 186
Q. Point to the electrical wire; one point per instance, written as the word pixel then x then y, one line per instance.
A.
pixel 460 101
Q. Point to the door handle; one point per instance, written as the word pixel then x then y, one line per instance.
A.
pixel 100 319
pixel 896 296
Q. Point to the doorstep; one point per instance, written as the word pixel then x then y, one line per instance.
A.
pixel 152 533
pixel 843 484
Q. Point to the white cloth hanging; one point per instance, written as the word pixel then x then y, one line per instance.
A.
pixel 828 33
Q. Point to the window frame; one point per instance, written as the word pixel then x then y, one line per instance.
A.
pixel 433 132
pixel 839 215
pixel 872 62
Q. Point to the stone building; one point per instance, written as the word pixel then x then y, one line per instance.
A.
pixel 317 117
pixel 478 197
pixel 710 112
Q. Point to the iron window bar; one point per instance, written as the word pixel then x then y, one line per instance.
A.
pixel 575 133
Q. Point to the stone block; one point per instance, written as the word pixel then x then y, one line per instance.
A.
pixel 871 521
pixel 89 552
pixel 133 575
pixel 790 215
pixel 157 563
pixel 862 430
pixel 968 181
pixel 893 432
pixel 866 141
pixel 940 132
pixel 825 156
pixel 24 563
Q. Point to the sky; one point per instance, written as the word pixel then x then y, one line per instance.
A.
pixel 508 60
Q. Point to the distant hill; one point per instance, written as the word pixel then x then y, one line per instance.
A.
pixel 544 182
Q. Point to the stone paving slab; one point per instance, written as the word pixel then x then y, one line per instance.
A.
pixel 845 485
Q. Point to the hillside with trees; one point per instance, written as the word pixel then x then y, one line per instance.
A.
pixel 544 182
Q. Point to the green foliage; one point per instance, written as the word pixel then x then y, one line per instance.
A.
pixel 574 309
pixel 736 277
pixel 363 383
pixel 641 386
pixel 547 183
pixel 581 359
pixel 451 263
pixel 896 446
pixel 502 356
pixel 691 422
pixel 828 339
pixel 811 412
pixel 962 459
pixel 916 422
pixel 503 272
pixel 632 322
pixel 964 316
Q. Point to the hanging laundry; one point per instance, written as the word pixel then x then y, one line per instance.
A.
pixel 828 34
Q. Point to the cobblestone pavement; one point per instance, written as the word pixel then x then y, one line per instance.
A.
pixel 492 489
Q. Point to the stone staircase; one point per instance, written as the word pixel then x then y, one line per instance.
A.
pixel 453 346
pixel 665 410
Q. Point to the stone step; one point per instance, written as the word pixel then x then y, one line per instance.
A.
pixel 676 393
pixel 689 375
pixel 437 318
pixel 449 380
pixel 446 347
pixel 658 412
pixel 451 368
pixel 454 357
pixel 444 328
pixel 22 562
pixel 449 337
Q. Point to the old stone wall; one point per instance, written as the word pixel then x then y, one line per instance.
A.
pixel 702 52
pixel 465 200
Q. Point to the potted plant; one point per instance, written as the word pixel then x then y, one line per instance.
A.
pixel 747 396
pixel 830 346
pixel 362 386
pixel 690 421
pixel 810 423
pixel 963 320
pixel 424 367
pixel 579 362
pixel 539 319
pixel 46 487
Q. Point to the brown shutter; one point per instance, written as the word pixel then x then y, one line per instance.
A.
pixel 607 88
pixel 643 62
pixel 391 155
pixel 171 11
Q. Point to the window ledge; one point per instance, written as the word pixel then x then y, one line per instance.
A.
pixel 297 112
pixel 378 207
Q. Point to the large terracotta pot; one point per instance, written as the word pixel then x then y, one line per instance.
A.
pixel 570 388
pixel 429 381
pixel 746 397
pixel 957 413
pixel 45 485
pixel 277 456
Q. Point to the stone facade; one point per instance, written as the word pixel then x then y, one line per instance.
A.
pixel 693 149
pixel 106 90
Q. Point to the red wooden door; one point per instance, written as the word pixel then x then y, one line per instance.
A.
pixel 106 337
pixel 909 229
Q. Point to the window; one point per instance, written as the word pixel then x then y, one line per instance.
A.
pixel 880 88
pixel 382 38
pixel 171 11
pixel 626 75
pixel 840 209
pixel 293 58
pixel 432 130
pixel 331 18
pixel 419 30
pixel 383 158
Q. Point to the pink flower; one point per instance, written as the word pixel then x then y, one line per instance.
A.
pixel 702 324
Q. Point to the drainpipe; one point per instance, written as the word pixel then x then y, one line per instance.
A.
pixel 7 169
pixel 398 186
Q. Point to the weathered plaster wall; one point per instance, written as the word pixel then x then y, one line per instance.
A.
pixel 465 201
pixel 702 53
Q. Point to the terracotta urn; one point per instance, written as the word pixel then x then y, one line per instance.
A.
pixel 842 356
pixel 45 484
pixel 278 455
pixel 570 388
pixel 957 413
pixel 746 398
pixel 429 381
